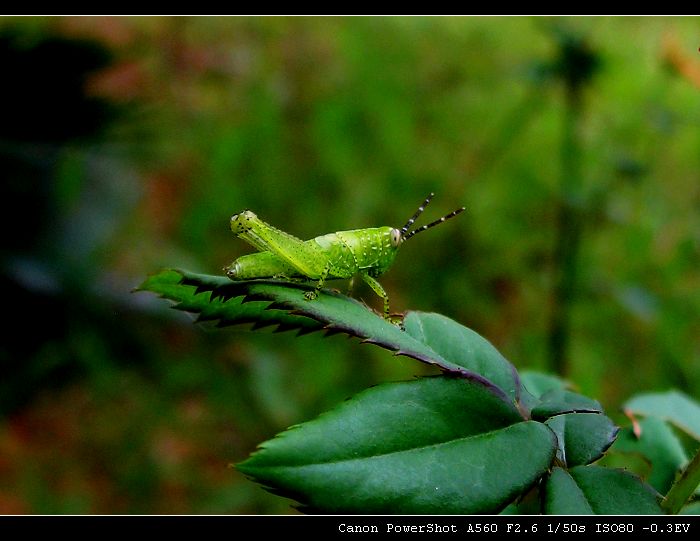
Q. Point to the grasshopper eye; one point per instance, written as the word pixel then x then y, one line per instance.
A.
pixel 395 235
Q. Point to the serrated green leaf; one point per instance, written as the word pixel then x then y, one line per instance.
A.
pixel 563 496
pixel 434 445
pixel 673 406
pixel 343 314
pixel 192 293
pixel 269 302
pixel 464 347
pixel 659 446
pixel 560 401
pixel 583 437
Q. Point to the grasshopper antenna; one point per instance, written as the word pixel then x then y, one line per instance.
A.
pixel 409 223
pixel 436 222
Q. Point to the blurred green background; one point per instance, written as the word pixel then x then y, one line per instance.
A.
pixel 127 143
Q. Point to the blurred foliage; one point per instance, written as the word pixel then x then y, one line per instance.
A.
pixel 127 143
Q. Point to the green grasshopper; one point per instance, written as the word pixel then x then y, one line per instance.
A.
pixel 344 254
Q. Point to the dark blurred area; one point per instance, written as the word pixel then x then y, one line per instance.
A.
pixel 127 143
pixel 45 111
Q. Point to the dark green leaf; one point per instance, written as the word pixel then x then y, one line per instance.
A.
pixel 435 445
pixel 539 383
pixel 583 437
pixel 558 401
pixel 601 491
pixel 464 347
pixel 536 384
pixel 563 496
pixel 615 492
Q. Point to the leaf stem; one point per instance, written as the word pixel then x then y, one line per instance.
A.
pixel 683 487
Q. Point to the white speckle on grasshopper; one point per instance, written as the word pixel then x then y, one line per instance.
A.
pixel 343 254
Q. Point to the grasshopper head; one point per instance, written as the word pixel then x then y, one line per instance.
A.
pixel 400 235
pixel 233 270
pixel 240 222
pixel 396 238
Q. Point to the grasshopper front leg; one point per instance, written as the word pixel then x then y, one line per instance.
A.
pixel 379 290
pixel 311 295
